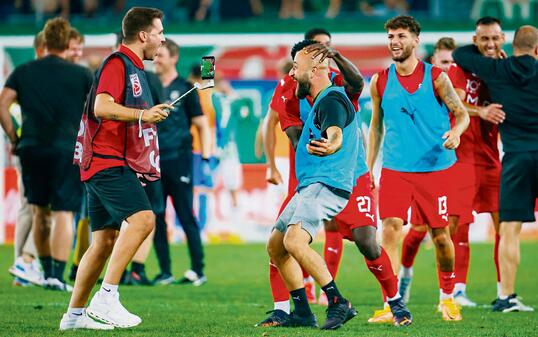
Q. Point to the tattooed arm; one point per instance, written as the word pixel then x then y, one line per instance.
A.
pixel 106 108
pixel 492 113
pixel 324 147
pixel 453 102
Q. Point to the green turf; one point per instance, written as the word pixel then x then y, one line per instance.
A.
pixel 238 295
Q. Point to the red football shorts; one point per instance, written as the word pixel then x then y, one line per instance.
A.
pixel 426 191
pixel 488 179
pixel 360 210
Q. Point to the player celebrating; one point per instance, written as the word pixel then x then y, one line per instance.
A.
pixel 325 175
pixel 285 107
pixel 417 147
pixel 477 174
pixel 117 142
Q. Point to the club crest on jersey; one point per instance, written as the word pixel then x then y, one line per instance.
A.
pixel 135 83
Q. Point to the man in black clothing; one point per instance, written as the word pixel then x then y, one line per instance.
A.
pixel 175 144
pixel 51 92
pixel 513 83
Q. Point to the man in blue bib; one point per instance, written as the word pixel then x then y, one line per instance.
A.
pixel 410 104
pixel 325 168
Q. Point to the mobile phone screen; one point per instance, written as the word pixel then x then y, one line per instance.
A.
pixel 208 67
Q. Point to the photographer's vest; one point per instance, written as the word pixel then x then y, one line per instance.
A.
pixel 141 148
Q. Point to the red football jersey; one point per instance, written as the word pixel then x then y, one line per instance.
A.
pixel 479 142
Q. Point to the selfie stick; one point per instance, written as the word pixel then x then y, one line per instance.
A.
pixel 209 84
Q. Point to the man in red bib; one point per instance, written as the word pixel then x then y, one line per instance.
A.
pixel 117 144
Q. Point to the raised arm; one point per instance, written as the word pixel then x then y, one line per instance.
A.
pixel 454 103
pixel 469 58
pixel 353 79
pixel 375 133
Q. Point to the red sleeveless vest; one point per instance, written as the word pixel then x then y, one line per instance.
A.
pixel 141 148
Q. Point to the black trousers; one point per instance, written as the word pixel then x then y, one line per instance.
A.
pixel 176 180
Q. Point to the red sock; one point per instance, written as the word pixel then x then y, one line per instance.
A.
pixel 382 270
pixel 332 252
pixel 496 256
pixel 446 281
pixel 278 288
pixel 462 253
pixel 410 246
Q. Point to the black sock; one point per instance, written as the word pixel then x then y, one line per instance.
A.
pixel 300 302
pixel 333 295
pixel 58 269
pixel 46 264
pixel 137 267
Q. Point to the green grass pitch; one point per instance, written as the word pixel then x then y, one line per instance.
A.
pixel 238 295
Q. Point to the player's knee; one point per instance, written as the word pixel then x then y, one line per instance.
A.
pixel 145 221
pixel 293 244
pixel 442 240
pixel 369 249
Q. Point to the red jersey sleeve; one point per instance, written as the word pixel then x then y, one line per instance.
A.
pixel 457 77
pixel 112 80
pixel 286 104
pixel 338 80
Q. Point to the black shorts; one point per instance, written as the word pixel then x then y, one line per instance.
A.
pixel 50 179
pixel 519 186
pixel 114 195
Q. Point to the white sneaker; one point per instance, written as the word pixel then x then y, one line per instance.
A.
pixel 55 284
pixel 71 322
pixel 108 309
pixel 190 277
pixel 461 298
pixel 27 272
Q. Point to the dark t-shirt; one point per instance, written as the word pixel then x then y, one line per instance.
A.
pixel 174 132
pixel 155 87
pixel 51 92
pixel 333 110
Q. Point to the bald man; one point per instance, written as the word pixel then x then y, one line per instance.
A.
pixel 325 174
pixel 513 83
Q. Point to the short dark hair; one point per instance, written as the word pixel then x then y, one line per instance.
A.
pixel 311 33
pixel 172 47
pixel 75 34
pixel 405 22
pixel 300 46
pixel 56 33
pixel 39 40
pixel 487 21
pixel 445 43
pixel 138 19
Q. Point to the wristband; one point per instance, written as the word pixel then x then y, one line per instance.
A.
pixel 140 114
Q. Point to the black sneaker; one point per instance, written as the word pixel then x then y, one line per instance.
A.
pixel 163 279
pixel 277 318
pixel 139 279
pixel 295 321
pixel 402 316
pixel 338 314
pixel 510 304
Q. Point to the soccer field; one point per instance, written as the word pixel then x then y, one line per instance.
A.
pixel 237 296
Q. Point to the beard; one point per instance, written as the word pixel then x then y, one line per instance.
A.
pixel 406 52
pixel 303 88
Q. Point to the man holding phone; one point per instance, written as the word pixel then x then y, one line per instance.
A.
pixel 175 143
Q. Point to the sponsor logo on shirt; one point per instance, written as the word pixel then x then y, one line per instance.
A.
pixel 135 83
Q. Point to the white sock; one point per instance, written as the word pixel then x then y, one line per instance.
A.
pixel 283 305
pixel 108 289
pixel 386 305
pixel 406 272
pixel 443 296
pixel 502 297
pixel 459 287
pixel 397 296
pixel 75 312
pixel 499 289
